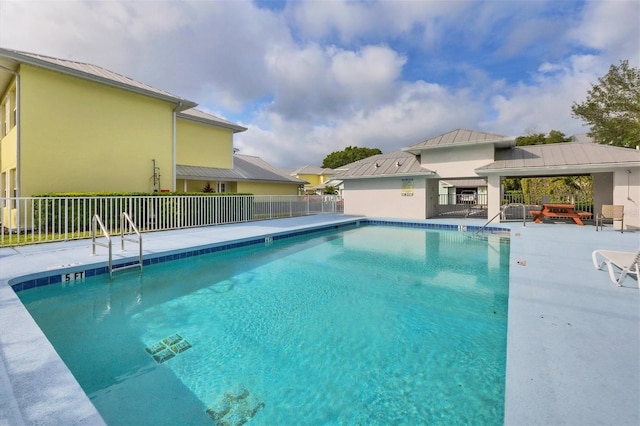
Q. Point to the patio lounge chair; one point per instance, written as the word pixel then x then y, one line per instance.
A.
pixel 626 262
pixel 613 212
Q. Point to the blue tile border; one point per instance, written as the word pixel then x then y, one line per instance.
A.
pixel 440 226
pixel 57 278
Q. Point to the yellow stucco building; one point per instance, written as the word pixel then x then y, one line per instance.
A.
pixel 316 178
pixel 67 126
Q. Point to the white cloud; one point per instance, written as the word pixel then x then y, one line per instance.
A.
pixel 350 21
pixel 546 104
pixel 318 76
pixel 318 83
pixel 613 28
pixel 419 110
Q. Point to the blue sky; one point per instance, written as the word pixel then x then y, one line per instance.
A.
pixel 311 77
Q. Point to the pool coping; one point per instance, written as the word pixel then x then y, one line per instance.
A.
pixel 23 368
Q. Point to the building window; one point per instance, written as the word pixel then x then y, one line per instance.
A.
pixel 12 186
pixel 4 118
pixel 8 113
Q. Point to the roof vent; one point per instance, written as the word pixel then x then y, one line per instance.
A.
pixel 398 164
pixel 377 165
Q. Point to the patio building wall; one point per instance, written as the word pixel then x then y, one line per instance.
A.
pixel 453 162
pixel 626 192
pixel 386 197
pixel 621 187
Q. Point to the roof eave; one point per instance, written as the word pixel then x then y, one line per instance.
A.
pixel 506 142
pixel 586 168
pixel 414 174
pixel 234 127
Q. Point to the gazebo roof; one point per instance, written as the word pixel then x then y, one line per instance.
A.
pixel 560 158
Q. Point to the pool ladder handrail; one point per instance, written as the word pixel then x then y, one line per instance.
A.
pixel 502 209
pixel 125 219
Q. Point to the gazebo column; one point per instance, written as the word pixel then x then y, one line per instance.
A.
pixel 493 196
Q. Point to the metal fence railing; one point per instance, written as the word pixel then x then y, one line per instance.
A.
pixel 475 205
pixel 534 201
pixel 28 220
pixel 462 205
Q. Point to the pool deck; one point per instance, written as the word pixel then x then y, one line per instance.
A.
pixel 573 342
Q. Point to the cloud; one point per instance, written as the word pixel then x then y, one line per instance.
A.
pixel 419 110
pixel 310 78
pixel 352 23
pixel 316 83
pixel 545 105
pixel 196 49
pixel 612 28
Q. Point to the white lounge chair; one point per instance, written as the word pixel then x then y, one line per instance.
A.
pixel 626 262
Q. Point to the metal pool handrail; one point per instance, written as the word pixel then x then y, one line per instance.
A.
pixel 94 222
pixel 124 219
pixel 524 215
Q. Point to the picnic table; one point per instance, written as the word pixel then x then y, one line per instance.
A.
pixel 559 210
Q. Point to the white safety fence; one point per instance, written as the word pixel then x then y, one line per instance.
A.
pixel 28 220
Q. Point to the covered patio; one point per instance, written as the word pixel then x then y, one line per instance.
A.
pixel 615 172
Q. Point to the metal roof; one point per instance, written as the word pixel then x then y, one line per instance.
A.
pixel 245 168
pixel 397 163
pixel 568 157
pixel 203 117
pixel 582 138
pixel 12 58
pixel 461 137
pixel 312 170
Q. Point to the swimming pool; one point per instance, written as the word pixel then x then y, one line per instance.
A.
pixel 374 324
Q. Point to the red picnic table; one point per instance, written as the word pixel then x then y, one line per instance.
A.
pixel 559 210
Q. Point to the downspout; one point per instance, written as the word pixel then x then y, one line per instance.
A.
pixel 18 171
pixel 173 153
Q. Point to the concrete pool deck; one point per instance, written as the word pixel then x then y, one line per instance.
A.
pixel 573 342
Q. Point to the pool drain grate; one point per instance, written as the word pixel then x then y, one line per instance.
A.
pixel 165 349
pixel 235 407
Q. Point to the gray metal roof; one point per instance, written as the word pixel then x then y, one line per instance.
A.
pixel 312 170
pixel 397 163
pixel 582 138
pixel 245 168
pixel 461 137
pixel 206 173
pixel 568 157
pixel 203 117
pixel 12 58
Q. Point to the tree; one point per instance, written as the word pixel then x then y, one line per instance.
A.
pixel 207 188
pixel 555 136
pixel 348 155
pixel 330 190
pixel 612 107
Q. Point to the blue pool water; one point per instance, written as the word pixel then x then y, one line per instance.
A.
pixel 369 325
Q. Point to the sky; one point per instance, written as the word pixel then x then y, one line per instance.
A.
pixel 307 78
